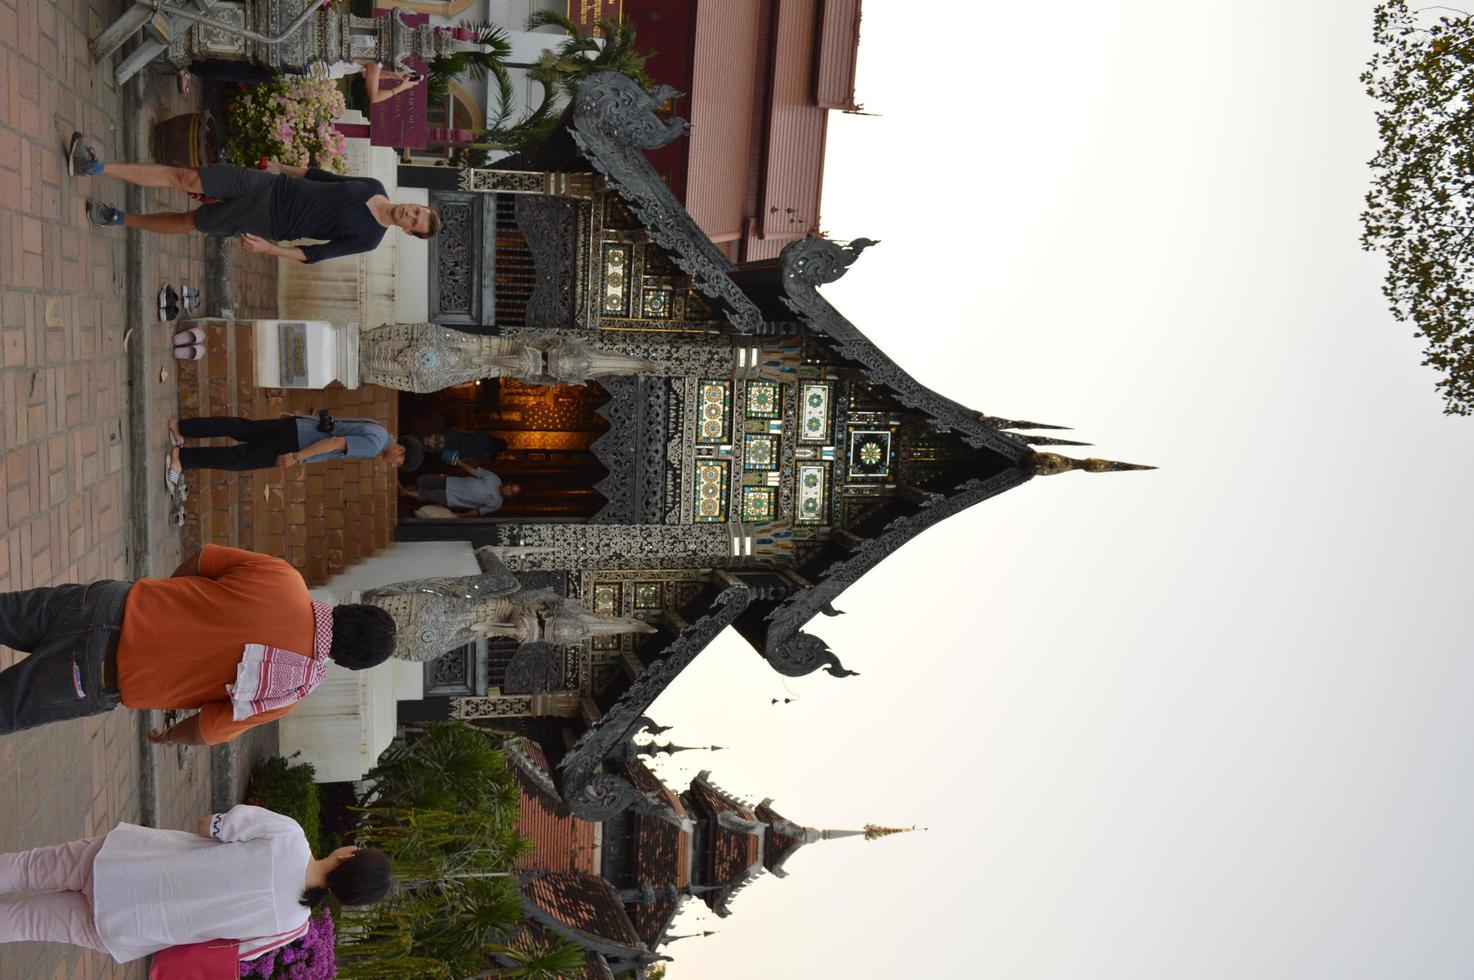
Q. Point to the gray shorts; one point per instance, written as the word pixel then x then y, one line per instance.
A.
pixel 246 198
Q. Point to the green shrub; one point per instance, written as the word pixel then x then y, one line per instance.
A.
pixel 288 789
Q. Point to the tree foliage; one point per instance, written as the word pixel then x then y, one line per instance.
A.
pixel 444 808
pixel 1420 211
pixel 581 55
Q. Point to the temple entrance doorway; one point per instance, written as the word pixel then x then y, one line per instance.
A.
pixel 538 436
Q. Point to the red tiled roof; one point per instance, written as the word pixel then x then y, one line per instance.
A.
pixel 733 852
pixel 776 845
pixel 651 920
pixel 839 43
pixel 584 902
pixel 560 841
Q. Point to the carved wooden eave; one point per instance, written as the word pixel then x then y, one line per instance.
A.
pixel 595 794
pixel 614 123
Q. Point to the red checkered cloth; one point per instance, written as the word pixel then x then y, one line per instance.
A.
pixel 270 677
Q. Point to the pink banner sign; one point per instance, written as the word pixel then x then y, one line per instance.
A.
pixel 402 122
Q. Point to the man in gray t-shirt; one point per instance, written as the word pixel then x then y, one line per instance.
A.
pixel 477 493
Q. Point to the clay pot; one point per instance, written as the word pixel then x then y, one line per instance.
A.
pixel 189 140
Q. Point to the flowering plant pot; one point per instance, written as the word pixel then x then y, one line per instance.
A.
pixel 289 119
pixel 186 141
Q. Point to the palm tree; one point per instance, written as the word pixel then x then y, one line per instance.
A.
pixel 581 55
pixel 474 65
pixel 546 957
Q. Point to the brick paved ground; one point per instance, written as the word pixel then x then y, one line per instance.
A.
pixel 66 511
pixel 62 407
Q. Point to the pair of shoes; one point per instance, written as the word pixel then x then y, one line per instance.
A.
pixel 168 304
pixel 83 160
pixel 189 298
pixel 189 345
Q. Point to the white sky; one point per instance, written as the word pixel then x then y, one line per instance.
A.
pixel 1211 721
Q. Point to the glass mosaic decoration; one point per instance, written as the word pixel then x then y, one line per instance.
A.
pixel 813 417
pixel 870 453
pixel 763 400
pixel 759 452
pixel 757 504
pixel 656 303
pixel 608 601
pixel 616 279
pixel 711 490
pixel 715 412
pixel 813 482
pixel 647 595
pixel 606 598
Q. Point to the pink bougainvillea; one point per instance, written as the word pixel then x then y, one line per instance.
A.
pixel 308 958
pixel 289 119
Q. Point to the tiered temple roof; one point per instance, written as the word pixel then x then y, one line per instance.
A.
pixel 705 844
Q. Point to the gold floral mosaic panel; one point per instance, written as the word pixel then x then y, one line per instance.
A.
pixel 656 303
pixel 711 490
pixel 647 595
pixel 763 400
pixel 714 412
pixel 617 279
pixel 759 452
pixel 813 499
pixel 870 453
pixel 758 503
pixel 813 413
pixel 608 598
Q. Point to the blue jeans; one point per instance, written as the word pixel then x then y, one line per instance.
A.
pixel 71 635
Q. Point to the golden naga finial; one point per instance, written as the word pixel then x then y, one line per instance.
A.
pixel 876 831
pixel 1051 464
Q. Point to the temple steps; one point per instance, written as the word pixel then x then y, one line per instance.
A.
pixel 323 518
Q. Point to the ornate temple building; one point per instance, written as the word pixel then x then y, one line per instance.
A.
pixel 616 887
pixel 761 457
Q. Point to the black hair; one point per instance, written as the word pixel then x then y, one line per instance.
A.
pixel 362 879
pixel 363 636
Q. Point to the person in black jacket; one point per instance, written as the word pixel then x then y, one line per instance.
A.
pixel 347 214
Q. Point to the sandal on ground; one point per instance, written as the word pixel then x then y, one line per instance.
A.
pixel 189 352
pixel 184 338
pixel 174 480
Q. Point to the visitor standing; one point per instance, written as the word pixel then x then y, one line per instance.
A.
pixel 346 214
pixel 232 633
pixel 476 493
pixel 246 875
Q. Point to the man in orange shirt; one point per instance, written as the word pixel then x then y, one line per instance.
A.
pixel 232 633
